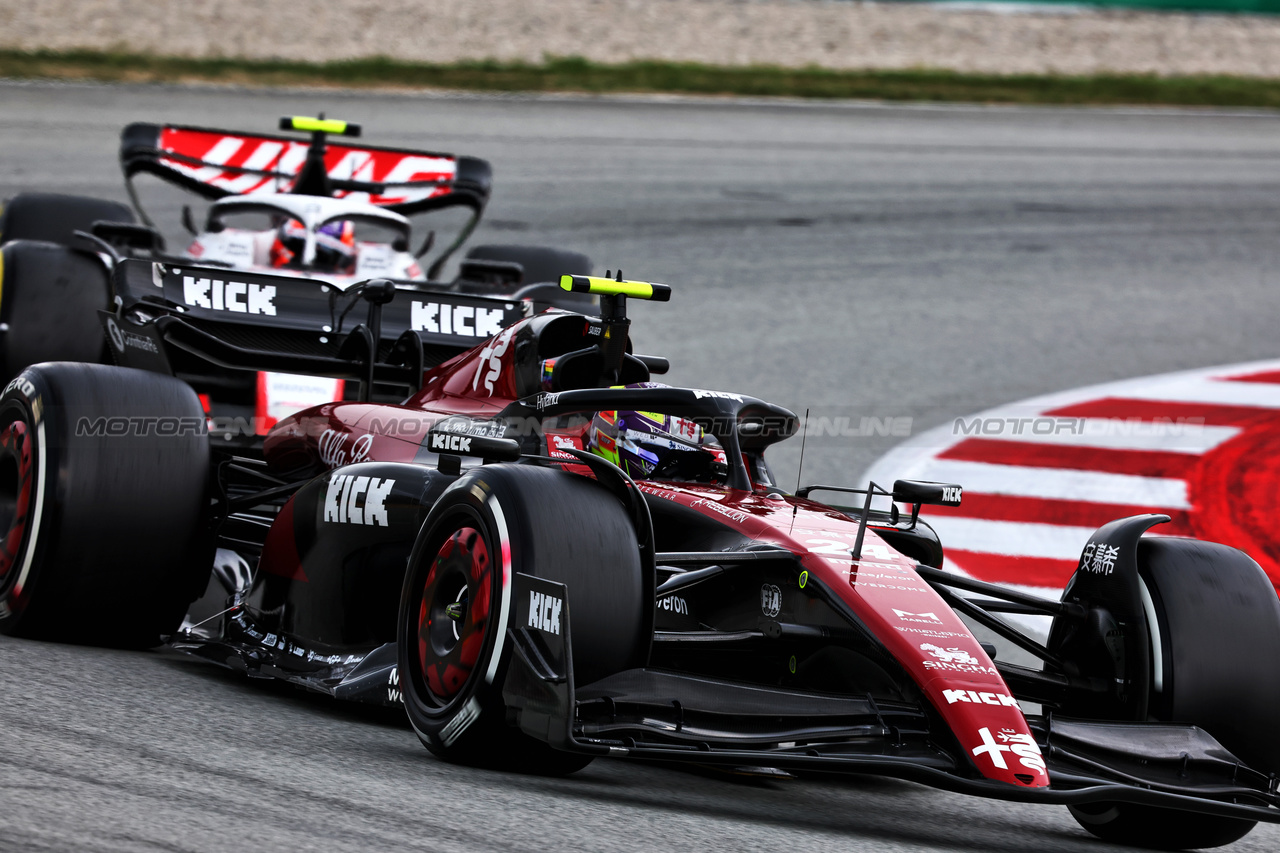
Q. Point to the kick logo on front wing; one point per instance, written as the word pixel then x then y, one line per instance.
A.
pixel 544 612
pixel 976 697
pixel 357 500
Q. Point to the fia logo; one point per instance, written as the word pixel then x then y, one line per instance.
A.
pixel 544 612
pixel 770 600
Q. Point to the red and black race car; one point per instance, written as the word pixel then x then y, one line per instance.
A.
pixel 549 558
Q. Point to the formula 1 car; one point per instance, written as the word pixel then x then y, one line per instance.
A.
pixel 336 213
pixel 548 558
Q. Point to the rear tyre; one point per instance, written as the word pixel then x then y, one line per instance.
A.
pixel 540 263
pixel 54 218
pixel 1215 611
pixel 104 537
pixel 50 297
pixel 453 649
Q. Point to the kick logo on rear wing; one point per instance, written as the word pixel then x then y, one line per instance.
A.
pixel 236 296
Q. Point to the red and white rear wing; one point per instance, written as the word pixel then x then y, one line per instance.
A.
pixel 218 163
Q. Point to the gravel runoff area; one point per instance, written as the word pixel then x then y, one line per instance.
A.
pixel 973 38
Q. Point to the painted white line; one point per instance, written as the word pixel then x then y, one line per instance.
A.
pixel 1057 483
pixel 1011 538
pixel 1263 395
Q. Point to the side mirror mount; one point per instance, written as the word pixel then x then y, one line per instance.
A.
pixel 923 492
pixel 189 220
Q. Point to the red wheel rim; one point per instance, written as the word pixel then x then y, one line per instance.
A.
pixel 454 613
pixel 15 496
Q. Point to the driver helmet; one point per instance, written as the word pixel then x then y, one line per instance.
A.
pixel 335 245
pixel 653 445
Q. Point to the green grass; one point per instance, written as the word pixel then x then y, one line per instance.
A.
pixel 578 75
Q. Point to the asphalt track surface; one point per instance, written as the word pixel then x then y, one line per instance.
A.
pixel 859 261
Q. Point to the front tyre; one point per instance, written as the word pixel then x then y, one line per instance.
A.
pixel 1157 828
pixel 1214 609
pixel 496 521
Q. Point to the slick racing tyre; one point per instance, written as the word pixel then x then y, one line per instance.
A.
pixel 103 501
pixel 1216 611
pixel 540 263
pixel 50 297
pixel 54 218
pixel 454 651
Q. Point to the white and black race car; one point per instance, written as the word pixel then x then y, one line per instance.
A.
pixel 334 212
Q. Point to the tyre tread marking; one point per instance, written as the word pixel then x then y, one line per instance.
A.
pixel 29 557
pixel 504 544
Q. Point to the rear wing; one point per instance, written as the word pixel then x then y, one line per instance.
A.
pixel 217 163
pixel 167 314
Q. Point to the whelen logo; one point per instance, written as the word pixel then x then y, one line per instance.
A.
pixel 342 503
pixel 465 320
pixel 544 612
pixel 975 698
pixel 234 296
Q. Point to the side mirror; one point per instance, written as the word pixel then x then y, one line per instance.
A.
pixel 129 234
pixel 922 492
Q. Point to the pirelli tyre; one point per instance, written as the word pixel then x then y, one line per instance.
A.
pixel 54 218
pixel 50 296
pixel 104 536
pixel 1217 616
pixel 494 522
